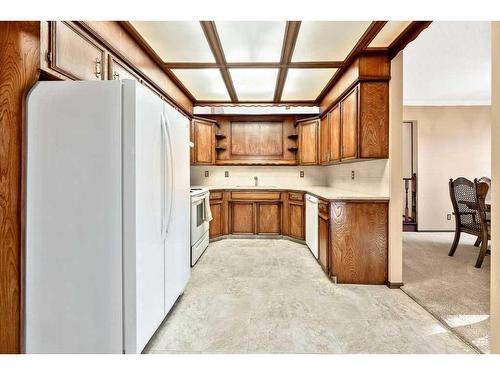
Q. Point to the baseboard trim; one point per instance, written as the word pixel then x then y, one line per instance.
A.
pixel 394 285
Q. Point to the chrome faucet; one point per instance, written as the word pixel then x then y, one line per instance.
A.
pixel 256 179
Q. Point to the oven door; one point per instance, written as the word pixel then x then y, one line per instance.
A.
pixel 199 224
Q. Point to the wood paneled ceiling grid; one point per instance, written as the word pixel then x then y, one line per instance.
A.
pixel 291 33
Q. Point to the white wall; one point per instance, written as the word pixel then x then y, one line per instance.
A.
pixel 451 142
pixel 369 177
pixel 268 175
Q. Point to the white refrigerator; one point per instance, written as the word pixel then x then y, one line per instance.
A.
pixel 107 249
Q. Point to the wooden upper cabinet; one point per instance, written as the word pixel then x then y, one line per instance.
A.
pixel 324 140
pixel 334 125
pixel 73 54
pixel 308 142
pixel 349 121
pixel 118 70
pixel 204 142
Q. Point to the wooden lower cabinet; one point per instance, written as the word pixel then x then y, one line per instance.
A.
pixel 268 218
pixel 296 220
pixel 359 242
pixel 324 238
pixel 216 226
pixel 242 218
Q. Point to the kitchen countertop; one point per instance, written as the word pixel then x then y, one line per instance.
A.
pixel 324 192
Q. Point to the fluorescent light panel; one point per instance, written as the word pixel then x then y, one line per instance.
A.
pixel 204 84
pixel 305 84
pixel 176 41
pixel 254 84
pixel 251 41
pixel 389 33
pixel 327 40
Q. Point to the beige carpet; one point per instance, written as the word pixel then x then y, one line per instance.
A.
pixel 451 288
pixel 271 296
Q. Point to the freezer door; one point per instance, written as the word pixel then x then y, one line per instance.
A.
pixel 73 259
pixel 144 150
pixel 177 213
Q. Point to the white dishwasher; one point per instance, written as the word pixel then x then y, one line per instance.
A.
pixel 312 224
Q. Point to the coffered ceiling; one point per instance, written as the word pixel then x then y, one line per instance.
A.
pixel 263 61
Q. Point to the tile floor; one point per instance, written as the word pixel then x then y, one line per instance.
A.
pixel 450 287
pixel 271 296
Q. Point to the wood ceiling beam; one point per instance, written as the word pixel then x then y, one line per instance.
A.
pixel 291 103
pixel 156 58
pixel 289 41
pixel 408 35
pixel 215 45
pixel 363 43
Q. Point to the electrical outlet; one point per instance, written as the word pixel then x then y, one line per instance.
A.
pixel 448 217
pixel 206 173
pixel 352 175
pixel 301 174
pixel 226 173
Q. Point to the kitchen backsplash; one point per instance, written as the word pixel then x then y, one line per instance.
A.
pixel 268 176
pixel 369 176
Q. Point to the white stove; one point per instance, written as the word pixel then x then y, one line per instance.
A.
pixel 200 217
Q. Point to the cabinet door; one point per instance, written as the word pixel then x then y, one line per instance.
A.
pixel 349 114
pixel 216 222
pixel 118 70
pixel 323 240
pixel 360 258
pixel 334 125
pixel 269 218
pixel 73 54
pixel 296 212
pixel 324 140
pixel 204 142
pixel 308 142
pixel 242 218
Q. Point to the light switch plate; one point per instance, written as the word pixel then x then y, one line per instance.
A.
pixel 206 173
pixel 448 217
pixel 226 173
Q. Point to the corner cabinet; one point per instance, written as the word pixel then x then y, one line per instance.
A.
pixel 308 142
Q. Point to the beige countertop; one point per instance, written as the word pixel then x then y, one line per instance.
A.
pixel 324 192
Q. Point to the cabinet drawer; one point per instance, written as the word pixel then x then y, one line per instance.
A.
pixel 215 195
pixel 296 197
pixel 73 54
pixel 323 207
pixel 256 195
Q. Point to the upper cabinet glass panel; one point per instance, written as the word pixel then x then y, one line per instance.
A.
pixel 251 41
pixel 176 41
pixel 327 40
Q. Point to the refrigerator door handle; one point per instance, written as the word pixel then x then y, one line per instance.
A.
pixel 169 169
pixel 163 167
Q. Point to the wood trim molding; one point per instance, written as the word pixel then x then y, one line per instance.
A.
pixel 360 46
pixel 225 103
pixel 215 45
pixel 289 41
pixel 408 35
pixel 20 62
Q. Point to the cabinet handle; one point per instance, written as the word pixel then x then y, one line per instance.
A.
pixel 98 67
pixel 116 75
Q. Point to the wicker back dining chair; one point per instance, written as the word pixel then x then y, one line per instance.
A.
pixel 468 200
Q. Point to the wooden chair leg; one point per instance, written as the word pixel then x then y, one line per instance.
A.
pixel 455 243
pixel 478 241
pixel 482 252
